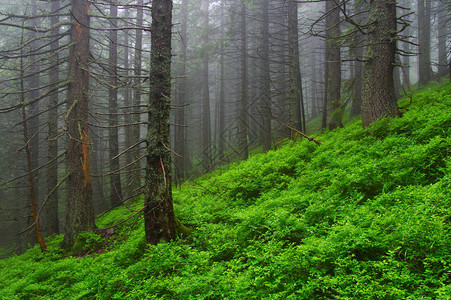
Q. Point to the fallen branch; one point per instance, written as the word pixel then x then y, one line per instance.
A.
pixel 297 131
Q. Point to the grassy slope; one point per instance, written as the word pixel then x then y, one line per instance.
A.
pixel 364 216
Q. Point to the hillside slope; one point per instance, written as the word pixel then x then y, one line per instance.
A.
pixel 366 215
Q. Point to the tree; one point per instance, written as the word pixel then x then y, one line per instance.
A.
pixel 206 127
pixel 296 99
pixel 378 95
pixel 79 210
pixel 424 41
pixel 115 178
pixel 158 212
pixel 442 35
pixel 52 220
pixel 333 112
pixel 243 120
pixel 265 81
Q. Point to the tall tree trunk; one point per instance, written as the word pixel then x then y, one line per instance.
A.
pixel 115 178
pixel 334 111
pixel 135 180
pixel 158 211
pixel 443 20
pixel 52 220
pixel 406 49
pixel 294 67
pixel 127 117
pixel 378 93
pixel 206 127
pixel 243 120
pixel 79 209
pixel 179 161
pixel 221 104
pixel 424 41
pixel 356 106
pixel 265 82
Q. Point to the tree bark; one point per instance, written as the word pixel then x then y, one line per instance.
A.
pixel 442 35
pixel 79 209
pixel 179 159
pixel 265 83
pixel 206 127
pixel 243 120
pixel 424 41
pixel 333 112
pixel 221 104
pixel 294 68
pixel 51 211
pixel 115 178
pixel 158 212
pixel 378 94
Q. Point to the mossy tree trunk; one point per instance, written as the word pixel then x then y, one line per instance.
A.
pixel 378 95
pixel 79 210
pixel 158 212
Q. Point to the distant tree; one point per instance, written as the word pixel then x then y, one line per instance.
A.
pixel 296 98
pixel 115 178
pixel 442 36
pixel 79 208
pixel 378 95
pixel 158 212
pixel 265 80
pixel 206 126
pixel 243 119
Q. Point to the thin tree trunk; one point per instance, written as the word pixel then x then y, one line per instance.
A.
pixel 443 20
pixel 158 212
pixel 221 104
pixel 206 128
pixel 179 159
pixel 127 117
pixel 79 209
pixel 115 178
pixel 242 121
pixel 52 219
pixel 265 84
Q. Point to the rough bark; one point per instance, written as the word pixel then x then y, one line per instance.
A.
pixel 51 211
pixel 158 212
pixel 333 113
pixel 79 209
pixel 378 93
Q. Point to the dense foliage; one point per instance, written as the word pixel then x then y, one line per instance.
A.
pixel 364 216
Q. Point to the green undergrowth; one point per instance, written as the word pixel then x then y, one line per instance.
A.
pixel 366 215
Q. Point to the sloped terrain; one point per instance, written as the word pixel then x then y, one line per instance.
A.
pixel 366 215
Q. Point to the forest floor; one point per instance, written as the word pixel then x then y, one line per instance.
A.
pixel 365 215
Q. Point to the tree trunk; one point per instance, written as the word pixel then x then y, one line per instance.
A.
pixel 378 94
pixel 206 128
pixel 158 211
pixel 242 120
pixel 221 104
pixel 179 161
pixel 294 67
pixel 334 110
pixel 424 41
pixel 265 83
pixel 51 211
pixel 127 117
pixel 442 35
pixel 79 210
pixel 115 178
pixel 135 180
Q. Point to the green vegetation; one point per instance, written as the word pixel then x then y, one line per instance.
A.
pixel 364 216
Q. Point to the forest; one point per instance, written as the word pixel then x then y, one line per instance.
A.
pixel 225 149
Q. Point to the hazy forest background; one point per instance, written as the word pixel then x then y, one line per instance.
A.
pixel 246 75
